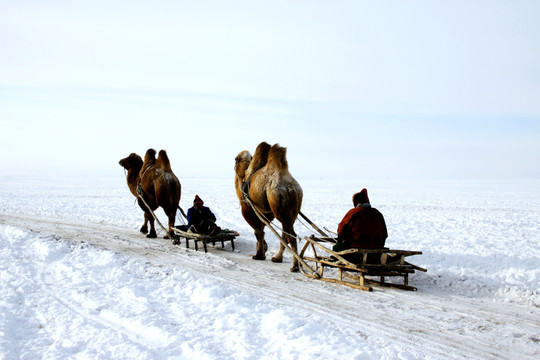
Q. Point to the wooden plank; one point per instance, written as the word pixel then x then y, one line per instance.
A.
pixel 382 282
pixel 349 284
pixel 366 267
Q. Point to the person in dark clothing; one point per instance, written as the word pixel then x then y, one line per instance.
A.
pixel 201 219
pixel 363 227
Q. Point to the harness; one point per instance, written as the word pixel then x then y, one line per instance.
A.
pixel 139 185
pixel 245 186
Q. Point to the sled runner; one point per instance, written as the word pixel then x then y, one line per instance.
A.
pixel 223 236
pixel 351 267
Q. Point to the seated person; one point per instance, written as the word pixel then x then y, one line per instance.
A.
pixel 363 227
pixel 201 219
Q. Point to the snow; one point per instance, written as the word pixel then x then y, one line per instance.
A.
pixel 78 281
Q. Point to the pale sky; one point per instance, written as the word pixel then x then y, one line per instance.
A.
pixel 353 89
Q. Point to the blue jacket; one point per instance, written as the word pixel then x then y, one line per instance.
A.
pixel 195 217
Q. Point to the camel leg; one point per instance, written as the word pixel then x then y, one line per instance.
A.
pixel 258 229
pixel 171 235
pixel 144 227
pixel 291 240
pixel 261 245
pixel 292 243
pixel 169 232
pixel 278 258
pixel 152 234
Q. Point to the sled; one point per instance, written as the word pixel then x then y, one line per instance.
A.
pixel 389 263
pixel 367 265
pixel 223 236
pixel 177 233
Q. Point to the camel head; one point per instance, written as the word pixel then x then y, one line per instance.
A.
pixel 241 163
pixel 132 162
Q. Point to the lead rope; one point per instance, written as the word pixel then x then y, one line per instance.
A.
pixel 252 204
pixel 313 225
pixel 183 216
pixel 283 242
pixel 245 186
pixel 139 193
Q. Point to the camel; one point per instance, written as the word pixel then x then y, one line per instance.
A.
pixel 265 177
pixel 158 185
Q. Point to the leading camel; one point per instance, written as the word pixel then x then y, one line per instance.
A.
pixel 266 179
pixel 158 185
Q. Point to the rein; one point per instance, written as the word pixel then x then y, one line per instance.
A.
pixel 283 242
pixel 142 175
pixel 245 185
pixel 140 195
pixel 245 198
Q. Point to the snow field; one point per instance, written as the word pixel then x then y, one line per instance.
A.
pixel 65 298
pixel 93 300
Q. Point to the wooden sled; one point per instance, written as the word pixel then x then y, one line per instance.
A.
pixel 387 263
pixel 223 236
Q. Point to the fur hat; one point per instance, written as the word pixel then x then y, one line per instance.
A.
pixel 360 198
pixel 197 200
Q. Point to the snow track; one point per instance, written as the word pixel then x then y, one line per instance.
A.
pixel 431 322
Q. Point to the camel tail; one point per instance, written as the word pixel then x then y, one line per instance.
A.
pixel 163 161
pixel 182 212
pixel 277 157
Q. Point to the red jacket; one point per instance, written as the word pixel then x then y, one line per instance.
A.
pixel 363 227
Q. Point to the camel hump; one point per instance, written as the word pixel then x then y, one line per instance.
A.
pixel 150 156
pixel 163 161
pixel 277 157
pixel 260 157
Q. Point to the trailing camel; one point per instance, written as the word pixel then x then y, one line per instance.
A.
pixel 266 179
pixel 155 181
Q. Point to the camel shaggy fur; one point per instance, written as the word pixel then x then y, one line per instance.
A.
pixel 270 186
pixel 159 186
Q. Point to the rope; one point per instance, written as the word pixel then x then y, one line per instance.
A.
pixel 299 239
pixel 144 172
pixel 139 193
pixel 283 242
pixel 181 218
pixel 252 204
pixel 312 224
pixel 303 224
pixel 331 232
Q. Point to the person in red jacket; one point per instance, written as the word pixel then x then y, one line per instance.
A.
pixel 363 227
